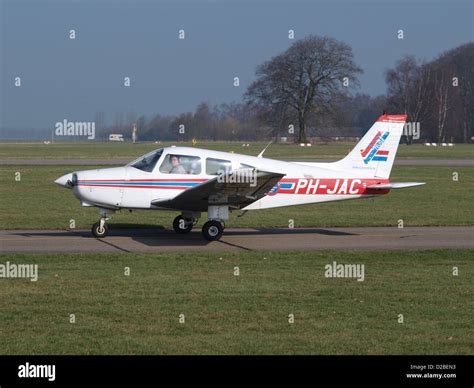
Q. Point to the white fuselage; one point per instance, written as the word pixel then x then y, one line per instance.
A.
pixel 130 187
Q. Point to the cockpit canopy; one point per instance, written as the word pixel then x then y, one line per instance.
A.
pixel 181 163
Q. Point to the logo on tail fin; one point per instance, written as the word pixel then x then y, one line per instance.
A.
pixel 373 151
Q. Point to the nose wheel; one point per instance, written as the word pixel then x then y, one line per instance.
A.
pixel 100 229
pixel 212 230
pixel 182 225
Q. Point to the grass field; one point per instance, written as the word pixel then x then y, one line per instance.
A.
pixel 36 202
pixel 245 314
pixel 96 150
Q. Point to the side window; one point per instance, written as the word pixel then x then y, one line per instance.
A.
pixel 181 164
pixel 217 166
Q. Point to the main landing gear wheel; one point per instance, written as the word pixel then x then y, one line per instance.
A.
pixel 100 229
pixel 181 225
pixel 212 230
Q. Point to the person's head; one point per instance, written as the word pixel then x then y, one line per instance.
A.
pixel 174 160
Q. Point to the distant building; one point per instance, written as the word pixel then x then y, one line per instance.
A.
pixel 116 137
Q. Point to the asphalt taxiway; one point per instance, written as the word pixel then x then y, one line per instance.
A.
pixel 158 240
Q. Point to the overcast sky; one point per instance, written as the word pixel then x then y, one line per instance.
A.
pixel 74 79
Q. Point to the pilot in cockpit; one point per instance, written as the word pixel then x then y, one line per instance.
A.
pixel 176 166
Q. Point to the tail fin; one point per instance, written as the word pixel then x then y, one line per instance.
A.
pixel 375 153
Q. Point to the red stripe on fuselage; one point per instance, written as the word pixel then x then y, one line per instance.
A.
pixel 143 180
pixel 308 186
pixel 138 187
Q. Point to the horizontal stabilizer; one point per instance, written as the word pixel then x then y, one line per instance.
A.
pixel 400 185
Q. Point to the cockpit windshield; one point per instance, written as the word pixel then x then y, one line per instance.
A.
pixel 147 162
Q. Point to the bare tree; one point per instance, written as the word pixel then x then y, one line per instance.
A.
pixel 307 75
pixel 407 90
pixel 448 96
pixel 462 58
pixel 441 88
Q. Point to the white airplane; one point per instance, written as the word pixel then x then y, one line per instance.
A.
pixel 193 181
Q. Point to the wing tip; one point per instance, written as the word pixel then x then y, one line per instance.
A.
pixel 396 185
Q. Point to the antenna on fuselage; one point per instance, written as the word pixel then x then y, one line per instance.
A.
pixel 261 153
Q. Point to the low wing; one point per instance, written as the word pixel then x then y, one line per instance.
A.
pixel 400 185
pixel 237 189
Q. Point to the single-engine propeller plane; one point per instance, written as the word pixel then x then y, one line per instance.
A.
pixel 194 181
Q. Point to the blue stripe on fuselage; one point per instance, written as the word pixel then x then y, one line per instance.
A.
pixel 184 184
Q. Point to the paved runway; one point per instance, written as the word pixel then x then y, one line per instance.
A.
pixel 121 162
pixel 160 240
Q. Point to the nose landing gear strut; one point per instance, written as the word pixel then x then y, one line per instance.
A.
pixel 100 228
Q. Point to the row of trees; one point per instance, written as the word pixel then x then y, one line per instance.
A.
pixel 438 94
pixel 310 89
pixel 235 121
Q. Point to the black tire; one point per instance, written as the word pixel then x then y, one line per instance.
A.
pixel 212 230
pixel 180 225
pixel 100 233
